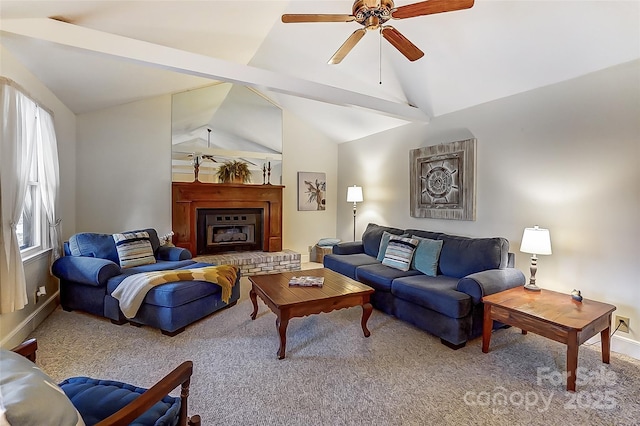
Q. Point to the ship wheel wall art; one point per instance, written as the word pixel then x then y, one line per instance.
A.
pixel 443 181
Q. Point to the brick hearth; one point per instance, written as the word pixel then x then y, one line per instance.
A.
pixel 256 262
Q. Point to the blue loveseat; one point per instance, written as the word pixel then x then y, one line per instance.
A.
pixel 448 304
pixel 90 271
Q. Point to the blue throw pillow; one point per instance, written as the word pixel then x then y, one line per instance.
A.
pixel 426 256
pixel 399 252
pixel 328 242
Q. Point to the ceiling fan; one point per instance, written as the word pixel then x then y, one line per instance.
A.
pixel 372 14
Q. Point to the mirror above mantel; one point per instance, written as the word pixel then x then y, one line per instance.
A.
pixel 225 122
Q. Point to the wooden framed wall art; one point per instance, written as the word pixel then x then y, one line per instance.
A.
pixel 443 181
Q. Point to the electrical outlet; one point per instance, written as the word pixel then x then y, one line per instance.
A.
pixel 623 322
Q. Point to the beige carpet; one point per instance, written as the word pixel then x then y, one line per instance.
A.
pixel 332 375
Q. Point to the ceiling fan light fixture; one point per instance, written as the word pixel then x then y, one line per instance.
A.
pixel 372 14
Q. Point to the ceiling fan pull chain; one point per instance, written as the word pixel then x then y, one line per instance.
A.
pixel 380 56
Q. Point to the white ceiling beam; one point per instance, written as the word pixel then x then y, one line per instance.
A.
pixel 176 60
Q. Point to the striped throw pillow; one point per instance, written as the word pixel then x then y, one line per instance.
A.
pixel 134 249
pixel 400 252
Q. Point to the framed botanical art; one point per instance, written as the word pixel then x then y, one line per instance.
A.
pixel 443 182
pixel 312 188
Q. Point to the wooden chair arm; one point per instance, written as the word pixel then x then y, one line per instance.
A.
pixel 27 349
pixel 180 376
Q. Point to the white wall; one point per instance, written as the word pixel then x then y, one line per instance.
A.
pixel 124 172
pixel 307 150
pixel 565 157
pixel 16 326
pixel 124 167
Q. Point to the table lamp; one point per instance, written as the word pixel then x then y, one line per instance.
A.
pixel 354 195
pixel 535 241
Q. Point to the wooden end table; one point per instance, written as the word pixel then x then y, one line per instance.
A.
pixel 337 292
pixel 553 315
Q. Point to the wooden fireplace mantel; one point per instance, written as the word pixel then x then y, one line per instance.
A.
pixel 188 197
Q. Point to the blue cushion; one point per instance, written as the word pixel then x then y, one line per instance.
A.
pixel 380 276
pixel 461 256
pixel 176 293
pixel 327 242
pixel 423 234
pixel 425 259
pixel 436 293
pixel 90 244
pixel 346 264
pixel 98 399
pixel 372 236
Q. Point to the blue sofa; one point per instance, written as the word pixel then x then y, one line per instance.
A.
pixel 90 271
pixel 449 304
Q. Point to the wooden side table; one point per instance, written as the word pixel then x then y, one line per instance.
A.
pixel 553 315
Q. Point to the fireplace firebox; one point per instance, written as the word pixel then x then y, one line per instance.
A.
pixel 224 230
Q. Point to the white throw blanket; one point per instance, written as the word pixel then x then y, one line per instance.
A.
pixel 133 289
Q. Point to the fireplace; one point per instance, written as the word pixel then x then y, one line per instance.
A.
pixel 224 230
pixel 200 212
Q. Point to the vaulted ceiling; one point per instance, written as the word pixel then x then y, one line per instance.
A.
pixel 493 50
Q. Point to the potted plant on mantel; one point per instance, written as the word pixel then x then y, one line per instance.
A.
pixel 234 172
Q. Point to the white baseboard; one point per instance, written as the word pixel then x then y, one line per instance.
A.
pixel 625 346
pixel 619 344
pixel 22 330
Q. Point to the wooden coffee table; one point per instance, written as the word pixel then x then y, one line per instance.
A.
pixel 287 302
pixel 553 315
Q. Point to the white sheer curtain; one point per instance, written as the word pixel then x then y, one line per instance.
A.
pixel 49 178
pixel 17 141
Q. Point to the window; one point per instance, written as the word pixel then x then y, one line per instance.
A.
pixel 32 221
pixel 30 227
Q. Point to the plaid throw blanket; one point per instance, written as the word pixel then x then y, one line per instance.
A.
pixel 133 289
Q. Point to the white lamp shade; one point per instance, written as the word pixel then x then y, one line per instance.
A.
pixel 536 241
pixel 354 194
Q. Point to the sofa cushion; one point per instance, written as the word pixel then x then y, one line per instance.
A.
pixel 380 276
pixel 384 243
pixel 134 249
pixel 171 294
pixel 90 244
pixel 423 234
pixel 372 236
pixel 346 264
pixel 461 256
pixel 425 259
pixel 399 252
pixel 23 386
pixel 436 293
pixel 98 399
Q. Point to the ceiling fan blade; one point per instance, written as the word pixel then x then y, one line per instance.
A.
pixel 296 18
pixel 346 47
pixel 402 43
pixel 430 7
